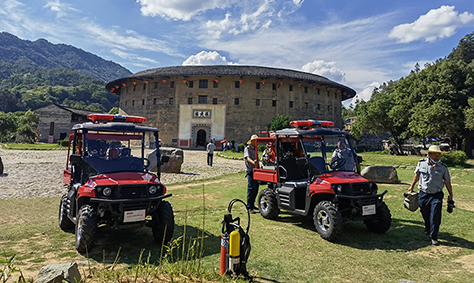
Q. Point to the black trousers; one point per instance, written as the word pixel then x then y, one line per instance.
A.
pixel 430 207
pixel 209 158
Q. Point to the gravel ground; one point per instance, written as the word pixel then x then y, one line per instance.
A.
pixel 39 173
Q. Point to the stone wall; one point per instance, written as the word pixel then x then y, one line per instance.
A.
pixel 160 102
pixel 61 119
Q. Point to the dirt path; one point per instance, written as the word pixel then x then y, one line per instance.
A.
pixel 39 173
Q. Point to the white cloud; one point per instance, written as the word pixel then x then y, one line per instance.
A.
pixel 60 8
pixel 133 57
pixel 126 40
pixel 437 23
pixel 207 58
pixel 364 95
pixel 325 69
pixel 180 9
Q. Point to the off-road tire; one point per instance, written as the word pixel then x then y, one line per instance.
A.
pixel 381 221
pixel 86 227
pixel 327 220
pixel 64 222
pixel 267 204
pixel 163 222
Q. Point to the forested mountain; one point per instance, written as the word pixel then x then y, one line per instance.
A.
pixel 41 53
pixel 34 74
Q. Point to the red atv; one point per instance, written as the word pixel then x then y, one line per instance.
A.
pixel 312 169
pixel 109 183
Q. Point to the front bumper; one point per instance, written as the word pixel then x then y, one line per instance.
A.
pixel 352 206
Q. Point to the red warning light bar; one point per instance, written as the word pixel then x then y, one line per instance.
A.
pixel 310 123
pixel 116 118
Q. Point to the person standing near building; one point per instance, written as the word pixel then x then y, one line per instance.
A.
pixel 250 161
pixel 210 152
pixel 433 175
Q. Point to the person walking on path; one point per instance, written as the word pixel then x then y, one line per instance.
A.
pixel 252 187
pixel 210 152
pixel 433 175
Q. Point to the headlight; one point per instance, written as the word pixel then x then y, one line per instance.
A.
pixel 107 191
pixel 339 189
pixel 152 190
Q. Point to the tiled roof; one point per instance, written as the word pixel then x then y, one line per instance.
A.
pixel 233 70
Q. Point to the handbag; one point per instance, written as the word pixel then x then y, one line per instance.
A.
pixel 411 201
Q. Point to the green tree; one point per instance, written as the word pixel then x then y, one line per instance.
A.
pixel 465 50
pixel 26 124
pixel 114 110
pixel 280 122
pixel 469 113
pixel 8 126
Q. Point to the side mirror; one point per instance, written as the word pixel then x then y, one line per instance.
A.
pixel 75 159
pixel 165 159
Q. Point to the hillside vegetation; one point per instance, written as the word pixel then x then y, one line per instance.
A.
pixel 34 74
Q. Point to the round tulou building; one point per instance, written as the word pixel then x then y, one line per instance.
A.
pixel 192 104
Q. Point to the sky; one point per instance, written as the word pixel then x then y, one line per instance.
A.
pixel 359 43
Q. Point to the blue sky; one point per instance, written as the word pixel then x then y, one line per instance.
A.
pixel 360 43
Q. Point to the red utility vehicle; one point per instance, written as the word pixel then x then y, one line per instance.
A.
pixel 109 183
pixel 312 170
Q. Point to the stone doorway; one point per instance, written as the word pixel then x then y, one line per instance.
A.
pixel 201 138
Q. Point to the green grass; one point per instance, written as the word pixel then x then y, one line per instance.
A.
pixel 285 250
pixel 32 146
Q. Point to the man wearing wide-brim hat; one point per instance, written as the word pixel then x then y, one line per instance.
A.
pixel 433 175
pixel 250 161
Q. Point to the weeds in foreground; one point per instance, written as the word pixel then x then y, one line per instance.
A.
pixel 8 269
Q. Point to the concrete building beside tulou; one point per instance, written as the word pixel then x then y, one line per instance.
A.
pixel 192 104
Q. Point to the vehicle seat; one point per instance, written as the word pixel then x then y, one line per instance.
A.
pixel 294 171
pixel 318 163
pixel 125 152
pixel 112 153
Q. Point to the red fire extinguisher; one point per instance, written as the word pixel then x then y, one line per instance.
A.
pixel 235 245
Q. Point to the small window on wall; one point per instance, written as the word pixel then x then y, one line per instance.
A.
pixel 134 87
pixel 290 87
pixel 327 91
pixel 144 86
pixel 202 83
pixel 154 101
pixel 306 105
pixel 133 102
pixel 202 99
pixel 172 84
pixel 274 103
pixel 126 103
pixel 319 106
pixel 237 84
pixel 236 101
pixel 190 100
pixel 156 85
pixel 305 89
pixel 143 101
pixel 318 92
pixel 291 104
pixel 257 102
pixel 274 86
pixel 215 84
pixel 329 108
pixel 257 85
pixel 214 101
pixel 190 84
pixel 171 102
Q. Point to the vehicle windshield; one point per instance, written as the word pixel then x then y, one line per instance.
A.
pixel 109 152
pixel 330 153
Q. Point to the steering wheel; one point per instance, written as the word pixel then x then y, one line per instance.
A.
pixel 137 163
pixel 337 163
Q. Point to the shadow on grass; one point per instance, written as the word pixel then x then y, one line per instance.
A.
pixel 131 242
pixel 403 235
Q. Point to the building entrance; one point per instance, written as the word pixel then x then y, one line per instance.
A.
pixel 201 138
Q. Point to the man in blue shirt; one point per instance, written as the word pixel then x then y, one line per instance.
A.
pixel 433 175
